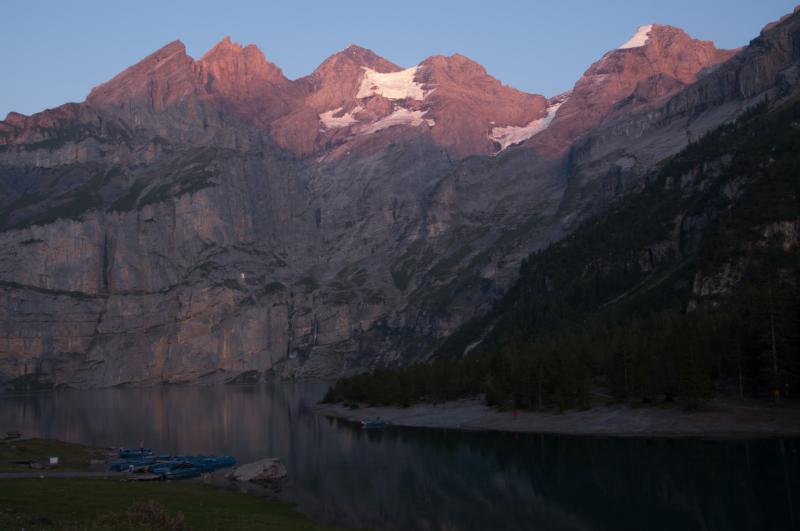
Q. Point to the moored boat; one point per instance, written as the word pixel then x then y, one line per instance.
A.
pixel 134 465
pixel 133 453
pixel 372 424
pixel 211 463
pixel 182 470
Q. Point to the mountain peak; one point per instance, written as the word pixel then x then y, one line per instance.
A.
pixel 168 62
pixel 662 35
pixel 355 49
pixel 658 60
pixel 233 65
pixel 781 20
pixel 171 48
pixel 166 52
pixel 226 45
pixel 336 80
pixel 358 56
pixel 454 68
pixel 639 39
pixel 649 34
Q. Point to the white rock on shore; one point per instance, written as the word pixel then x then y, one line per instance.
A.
pixel 264 471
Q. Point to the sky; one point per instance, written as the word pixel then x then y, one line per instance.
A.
pixel 56 51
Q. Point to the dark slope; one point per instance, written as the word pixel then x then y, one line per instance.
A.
pixel 677 287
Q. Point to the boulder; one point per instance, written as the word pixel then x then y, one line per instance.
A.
pixel 267 471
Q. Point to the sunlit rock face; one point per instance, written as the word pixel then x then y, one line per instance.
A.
pixel 211 220
pixel 655 64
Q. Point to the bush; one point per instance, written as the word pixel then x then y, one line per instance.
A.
pixel 140 516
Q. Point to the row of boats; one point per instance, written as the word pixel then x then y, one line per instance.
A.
pixel 169 466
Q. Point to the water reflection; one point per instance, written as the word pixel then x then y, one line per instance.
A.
pixel 428 479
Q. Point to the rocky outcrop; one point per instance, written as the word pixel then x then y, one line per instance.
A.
pixel 466 103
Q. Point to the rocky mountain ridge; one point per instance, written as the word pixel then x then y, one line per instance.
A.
pixel 213 221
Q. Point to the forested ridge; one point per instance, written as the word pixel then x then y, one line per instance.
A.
pixel 680 290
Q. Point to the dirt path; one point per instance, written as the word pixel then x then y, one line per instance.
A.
pixel 52 474
pixel 719 419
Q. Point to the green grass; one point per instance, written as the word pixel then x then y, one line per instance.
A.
pixel 70 456
pixel 51 503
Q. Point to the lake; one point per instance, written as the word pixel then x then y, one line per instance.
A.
pixel 401 478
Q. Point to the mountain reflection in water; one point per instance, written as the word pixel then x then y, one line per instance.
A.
pixel 432 479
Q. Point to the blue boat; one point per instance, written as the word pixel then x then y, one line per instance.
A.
pixel 183 473
pixel 371 424
pixel 211 463
pixel 205 464
pixel 161 469
pixel 132 464
pixel 181 470
pixel 133 453
pixel 224 461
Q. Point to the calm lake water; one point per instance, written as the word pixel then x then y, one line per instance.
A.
pixel 431 479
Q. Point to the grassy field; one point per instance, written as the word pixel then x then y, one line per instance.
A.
pixel 104 504
pixel 111 504
pixel 14 455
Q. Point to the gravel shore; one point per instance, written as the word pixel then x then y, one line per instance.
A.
pixel 717 419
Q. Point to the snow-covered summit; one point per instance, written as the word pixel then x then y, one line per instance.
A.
pixel 391 85
pixel 640 39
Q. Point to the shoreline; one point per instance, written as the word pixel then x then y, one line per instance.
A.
pixel 80 492
pixel 717 420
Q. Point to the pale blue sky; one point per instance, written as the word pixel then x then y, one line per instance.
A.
pixel 56 51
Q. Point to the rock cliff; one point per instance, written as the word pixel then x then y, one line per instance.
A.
pixel 213 221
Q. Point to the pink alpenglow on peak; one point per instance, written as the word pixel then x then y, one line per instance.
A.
pixel 452 101
pixel 656 63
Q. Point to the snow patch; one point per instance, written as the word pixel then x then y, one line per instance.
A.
pixel 400 116
pixel 640 39
pixel 393 85
pixel 330 120
pixel 510 135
